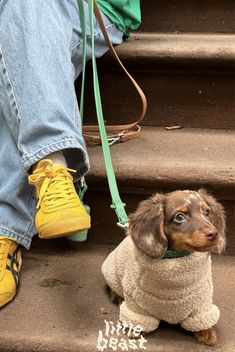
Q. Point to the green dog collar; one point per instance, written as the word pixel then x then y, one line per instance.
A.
pixel 175 254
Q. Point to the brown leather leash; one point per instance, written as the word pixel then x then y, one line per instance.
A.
pixel 116 133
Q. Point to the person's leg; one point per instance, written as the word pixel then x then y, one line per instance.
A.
pixel 38 84
pixel 17 200
pixel 40 56
pixel 40 103
pixel 38 115
pixel 37 76
pixel 17 206
pixel 39 79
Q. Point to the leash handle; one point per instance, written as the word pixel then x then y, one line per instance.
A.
pixel 124 132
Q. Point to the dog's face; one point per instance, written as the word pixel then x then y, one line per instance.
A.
pixel 180 220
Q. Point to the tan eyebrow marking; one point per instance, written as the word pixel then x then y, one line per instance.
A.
pixel 203 205
pixel 184 209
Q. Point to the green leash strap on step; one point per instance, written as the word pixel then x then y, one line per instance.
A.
pixel 117 203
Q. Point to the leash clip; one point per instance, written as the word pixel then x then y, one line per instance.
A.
pixel 123 226
pixel 115 139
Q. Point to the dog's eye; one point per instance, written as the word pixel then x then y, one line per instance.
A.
pixel 180 217
pixel 207 212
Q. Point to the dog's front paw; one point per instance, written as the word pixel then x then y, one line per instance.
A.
pixel 208 337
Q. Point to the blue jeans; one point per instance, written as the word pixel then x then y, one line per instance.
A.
pixel 40 58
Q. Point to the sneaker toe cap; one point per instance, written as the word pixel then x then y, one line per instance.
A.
pixel 6 297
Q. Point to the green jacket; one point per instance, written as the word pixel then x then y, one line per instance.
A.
pixel 124 13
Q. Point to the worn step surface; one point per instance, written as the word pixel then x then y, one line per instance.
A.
pixel 62 300
pixel 188 80
pixel 159 161
pixel 168 159
pixel 169 49
pixel 188 16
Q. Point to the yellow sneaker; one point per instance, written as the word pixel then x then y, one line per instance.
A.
pixel 60 210
pixel 10 264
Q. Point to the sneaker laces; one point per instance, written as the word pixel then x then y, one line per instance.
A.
pixel 54 186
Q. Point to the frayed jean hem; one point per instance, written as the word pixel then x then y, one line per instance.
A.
pixel 24 240
pixel 70 143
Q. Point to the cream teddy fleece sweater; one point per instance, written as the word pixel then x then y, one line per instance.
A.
pixel 177 290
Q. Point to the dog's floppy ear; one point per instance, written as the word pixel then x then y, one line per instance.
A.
pixel 146 227
pixel 217 217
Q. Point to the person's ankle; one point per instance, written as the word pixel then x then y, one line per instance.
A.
pixel 57 158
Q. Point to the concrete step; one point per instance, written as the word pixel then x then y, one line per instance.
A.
pixel 159 161
pixel 188 16
pixel 187 78
pixel 62 304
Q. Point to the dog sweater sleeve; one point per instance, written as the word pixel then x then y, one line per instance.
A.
pixel 202 320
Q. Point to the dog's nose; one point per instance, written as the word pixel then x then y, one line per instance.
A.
pixel 212 235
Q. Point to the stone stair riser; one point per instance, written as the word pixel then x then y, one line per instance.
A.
pixel 188 99
pixel 188 16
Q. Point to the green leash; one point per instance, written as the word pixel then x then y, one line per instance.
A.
pixel 117 203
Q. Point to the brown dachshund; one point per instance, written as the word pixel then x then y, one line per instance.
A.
pixel 179 221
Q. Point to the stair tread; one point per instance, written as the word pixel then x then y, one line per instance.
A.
pixel 157 48
pixel 191 156
pixel 68 315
